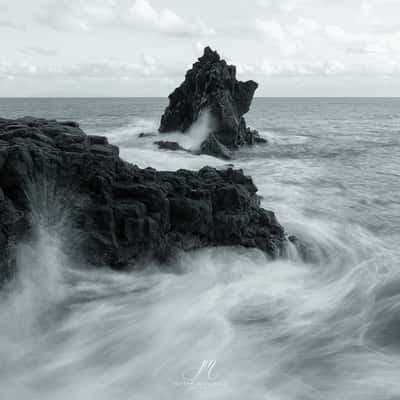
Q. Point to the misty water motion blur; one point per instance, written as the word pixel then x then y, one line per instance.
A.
pixel 232 324
pixel 198 132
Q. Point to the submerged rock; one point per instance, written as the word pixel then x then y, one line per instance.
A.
pixel 211 86
pixel 146 134
pixel 260 140
pixel 167 145
pixel 114 213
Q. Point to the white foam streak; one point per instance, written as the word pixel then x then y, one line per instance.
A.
pixel 142 151
pixel 258 320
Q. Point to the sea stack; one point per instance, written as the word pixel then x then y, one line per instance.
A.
pixel 211 86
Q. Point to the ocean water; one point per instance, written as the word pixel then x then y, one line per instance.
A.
pixel 232 324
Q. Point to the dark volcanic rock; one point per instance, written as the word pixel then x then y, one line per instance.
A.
pixel 115 212
pixel 211 85
pixel 167 145
pixel 260 140
pixel 213 147
pixel 147 134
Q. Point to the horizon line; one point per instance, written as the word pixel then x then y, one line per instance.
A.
pixel 166 97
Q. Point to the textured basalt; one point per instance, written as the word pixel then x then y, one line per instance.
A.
pixel 114 213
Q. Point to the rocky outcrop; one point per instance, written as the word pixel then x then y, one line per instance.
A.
pixel 114 213
pixel 211 85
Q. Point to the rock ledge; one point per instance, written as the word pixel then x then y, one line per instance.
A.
pixel 115 213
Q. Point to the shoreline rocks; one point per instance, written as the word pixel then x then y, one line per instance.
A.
pixel 211 86
pixel 114 213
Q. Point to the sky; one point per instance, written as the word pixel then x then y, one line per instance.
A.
pixel 140 48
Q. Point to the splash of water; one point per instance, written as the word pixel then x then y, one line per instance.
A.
pixel 199 131
pixel 143 152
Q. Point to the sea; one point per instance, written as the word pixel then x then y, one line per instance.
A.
pixel 226 323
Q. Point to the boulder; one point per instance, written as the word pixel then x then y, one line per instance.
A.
pixel 114 213
pixel 211 86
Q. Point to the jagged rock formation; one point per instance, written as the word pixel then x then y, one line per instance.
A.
pixel 211 85
pixel 113 212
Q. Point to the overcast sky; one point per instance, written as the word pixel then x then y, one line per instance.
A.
pixel 143 47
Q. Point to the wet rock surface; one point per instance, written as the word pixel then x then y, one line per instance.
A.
pixel 114 213
pixel 212 147
pixel 211 86
pixel 168 145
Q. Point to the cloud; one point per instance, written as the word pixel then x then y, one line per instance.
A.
pixel 281 6
pixel 37 50
pixel 287 38
pixel 144 16
pixel 108 69
pixel 147 66
pixel 293 68
pixel 351 42
pixel 338 34
pixel 290 26
pixel 11 25
pixel 384 29
pixel 11 70
pixel 304 26
pixel 366 9
pixel 264 3
pixel 289 68
pixel 274 32
pixel 79 15
pixel 314 68
pixel 364 43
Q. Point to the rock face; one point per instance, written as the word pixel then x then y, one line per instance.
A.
pixel 211 85
pixel 114 213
